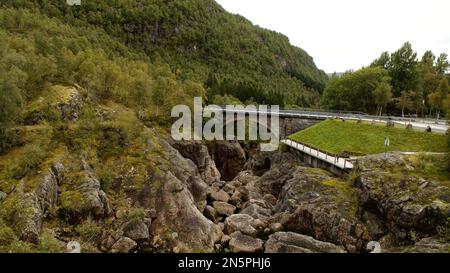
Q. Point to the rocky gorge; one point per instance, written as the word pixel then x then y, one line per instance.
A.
pixel 153 194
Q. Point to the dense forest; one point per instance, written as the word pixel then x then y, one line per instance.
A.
pixel 202 43
pixel 397 83
pixel 148 55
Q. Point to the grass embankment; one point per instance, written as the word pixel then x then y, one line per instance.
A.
pixel 335 136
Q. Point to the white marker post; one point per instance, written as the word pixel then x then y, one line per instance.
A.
pixel 387 143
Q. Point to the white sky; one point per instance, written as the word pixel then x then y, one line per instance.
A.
pixel 348 34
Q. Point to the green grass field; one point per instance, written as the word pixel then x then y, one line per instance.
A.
pixel 335 136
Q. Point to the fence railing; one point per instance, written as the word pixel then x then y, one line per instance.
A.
pixel 328 157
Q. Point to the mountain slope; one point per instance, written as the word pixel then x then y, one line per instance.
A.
pixel 200 40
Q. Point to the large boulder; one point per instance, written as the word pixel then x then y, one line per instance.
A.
pixel 93 200
pixel 241 222
pixel 136 229
pixel 289 242
pixel 219 195
pixel 124 245
pixel 241 243
pixel 179 224
pixel 224 208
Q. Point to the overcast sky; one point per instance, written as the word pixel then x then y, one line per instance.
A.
pixel 348 34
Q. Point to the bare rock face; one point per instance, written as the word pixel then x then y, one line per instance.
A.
pixel 95 201
pixel 179 198
pixel 405 202
pixel 241 243
pixel 179 223
pixel 323 207
pixel 47 190
pixel 187 173
pixel 198 153
pixel 43 198
pixel 289 242
pixel 34 219
pixel 288 126
pixel 229 157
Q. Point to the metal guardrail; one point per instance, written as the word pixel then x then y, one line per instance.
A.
pixel 341 113
pixel 349 115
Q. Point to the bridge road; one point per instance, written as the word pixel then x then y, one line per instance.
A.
pixel 438 126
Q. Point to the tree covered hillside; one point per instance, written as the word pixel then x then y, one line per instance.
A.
pixel 202 42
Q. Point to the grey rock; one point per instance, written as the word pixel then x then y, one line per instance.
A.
pixel 229 188
pixel 431 245
pixel 220 195
pixel 177 212
pixel 276 227
pixel 241 243
pixel 198 153
pixel 124 245
pixel 224 208
pixel 236 198
pixel 2 196
pixel 241 222
pixel 289 242
pixel 136 230
pixel 96 202
pixel 257 211
pixel 210 213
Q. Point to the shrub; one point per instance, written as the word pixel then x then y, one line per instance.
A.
pixel 49 244
pixel 89 231
pixel 444 230
pixel 32 155
pixel 7 235
pixel 21 247
pixel 15 212
pixel 136 214
pixel 71 200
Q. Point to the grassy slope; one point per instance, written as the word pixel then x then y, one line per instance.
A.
pixel 361 138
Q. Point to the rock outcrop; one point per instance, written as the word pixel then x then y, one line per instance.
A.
pixel 230 158
pixel 39 201
pixel 198 153
pixel 399 202
pixel 179 223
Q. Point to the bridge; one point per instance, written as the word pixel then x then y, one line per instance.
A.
pixel 438 126
pixel 321 159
